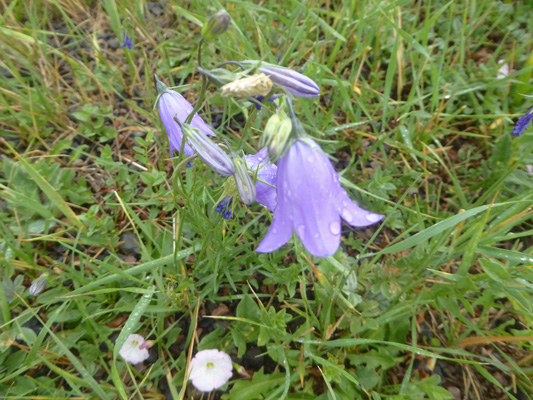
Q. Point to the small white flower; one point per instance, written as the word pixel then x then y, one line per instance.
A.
pixel 503 71
pixel 135 349
pixel 210 369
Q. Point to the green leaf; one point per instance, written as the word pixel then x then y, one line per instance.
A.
pixel 495 270
pixel 47 189
pixel 439 227
pixel 261 384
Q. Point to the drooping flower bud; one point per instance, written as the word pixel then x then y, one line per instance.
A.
pixel 244 182
pixel 173 105
pixel 522 124
pixel 289 80
pixel 38 285
pixel 271 128
pixel 126 40
pixel 217 25
pixel 276 135
pixel 209 152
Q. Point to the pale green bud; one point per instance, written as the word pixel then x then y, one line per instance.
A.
pixel 271 128
pixel 217 25
pixel 244 182
pixel 276 135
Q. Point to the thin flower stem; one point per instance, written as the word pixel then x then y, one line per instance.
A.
pixel 200 52
pixel 232 63
pixel 200 100
pixel 202 90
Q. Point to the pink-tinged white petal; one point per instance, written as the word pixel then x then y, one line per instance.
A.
pixel 131 350
pixel 210 370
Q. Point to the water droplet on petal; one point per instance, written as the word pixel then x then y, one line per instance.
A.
pixel 316 235
pixel 301 230
pixel 335 228
pixel 373 217
pixel 346 215
pixel 299 181
pixel 274 231
pixel 310 159
pixel 289 193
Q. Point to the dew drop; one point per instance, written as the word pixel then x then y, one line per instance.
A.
pixel 316 235
pixel 301 230
pixel 274 231
pixel 346 215
pixel 310 159
pixel 335 228
pixel 373 217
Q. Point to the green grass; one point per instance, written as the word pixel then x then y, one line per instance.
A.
pixel 436 299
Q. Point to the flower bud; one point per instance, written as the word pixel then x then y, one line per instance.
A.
pixel 217 25
pixel 38 285
pixel 244 182
pixel 224 207
pixel 209 152
pixel 276 135
pixel 173 106
pixel 271 128
pixel 289 80
pixel 160 86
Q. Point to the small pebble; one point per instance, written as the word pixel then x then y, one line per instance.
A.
pixel 455 392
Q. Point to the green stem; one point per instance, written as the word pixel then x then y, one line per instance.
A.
pixel 298 131
pixel 202 90
pixel 200 100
